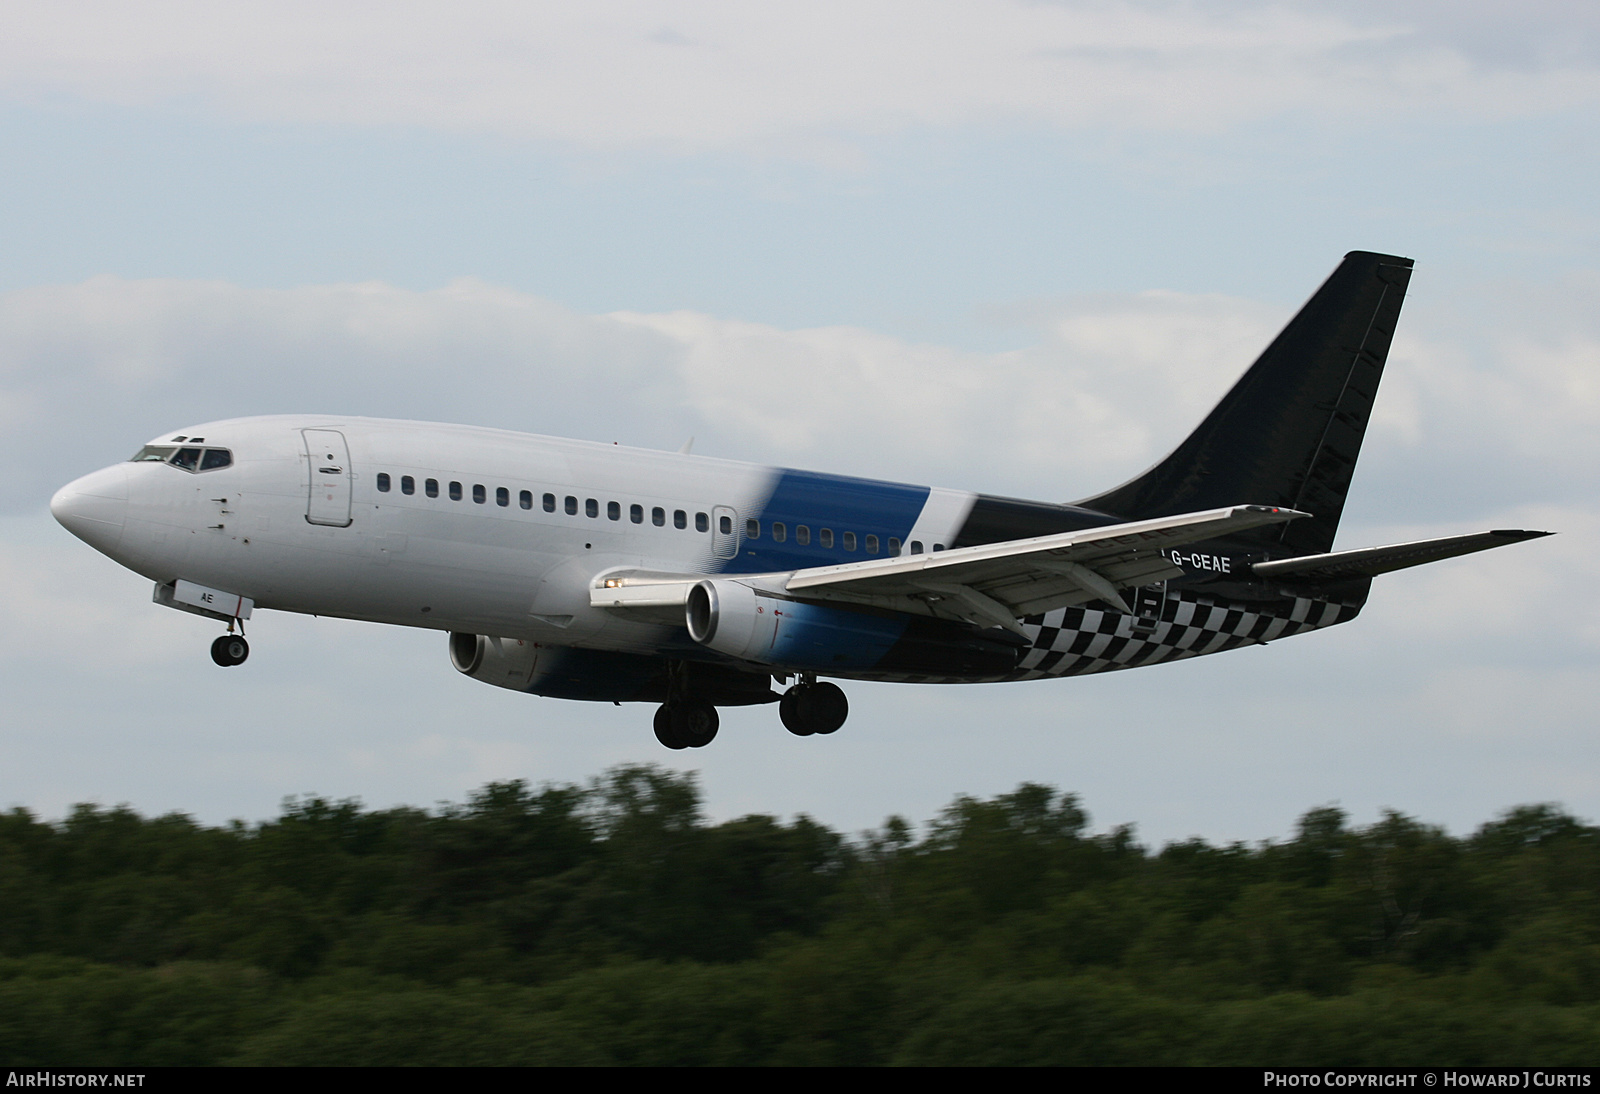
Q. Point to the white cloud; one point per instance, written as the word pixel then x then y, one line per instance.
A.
pixel 1108 386
pixel 718 73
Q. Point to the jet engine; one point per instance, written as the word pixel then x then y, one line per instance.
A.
pixel 503 662
pixel 732 618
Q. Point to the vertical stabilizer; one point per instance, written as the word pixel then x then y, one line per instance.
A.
pixel 1289 432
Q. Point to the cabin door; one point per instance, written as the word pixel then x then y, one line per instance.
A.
pixel 328 464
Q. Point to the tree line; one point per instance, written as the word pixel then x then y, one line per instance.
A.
pixel 613 924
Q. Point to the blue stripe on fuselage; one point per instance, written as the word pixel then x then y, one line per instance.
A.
pixel 837 502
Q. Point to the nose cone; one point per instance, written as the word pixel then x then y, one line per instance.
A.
pixel 94 507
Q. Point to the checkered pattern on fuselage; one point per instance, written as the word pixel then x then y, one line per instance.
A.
pixel 1079 641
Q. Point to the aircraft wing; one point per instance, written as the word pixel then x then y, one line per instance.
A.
pixel 992 585
pixel 995 584
pixel 1372 561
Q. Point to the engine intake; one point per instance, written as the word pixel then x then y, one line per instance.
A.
pixel 503 662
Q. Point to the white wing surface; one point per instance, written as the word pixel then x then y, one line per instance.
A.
pixel 995 584
pixel 992 585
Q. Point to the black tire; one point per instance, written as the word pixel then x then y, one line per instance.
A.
pixel 665 732
pixel 826 707
pixel 695 722
pixel 230 650
pixel 790 713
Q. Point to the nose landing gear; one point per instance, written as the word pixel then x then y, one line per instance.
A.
pixel 810 707
pixel 230 650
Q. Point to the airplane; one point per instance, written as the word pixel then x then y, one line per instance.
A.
pixel 598 572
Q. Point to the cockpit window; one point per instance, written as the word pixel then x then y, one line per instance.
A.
pixel 190 459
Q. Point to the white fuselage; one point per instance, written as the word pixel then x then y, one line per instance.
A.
pixel 498 565
pixel 483 531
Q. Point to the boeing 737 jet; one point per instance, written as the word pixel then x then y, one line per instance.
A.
pixel 592 571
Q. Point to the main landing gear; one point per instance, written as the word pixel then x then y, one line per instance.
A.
pixel 231 649
pixel 686 723
pixel 684 720
pixel 810 707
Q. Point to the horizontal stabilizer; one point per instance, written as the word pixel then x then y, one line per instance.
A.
pixel 1372 561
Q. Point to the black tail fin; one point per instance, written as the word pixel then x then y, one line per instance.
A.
pixel 1289 431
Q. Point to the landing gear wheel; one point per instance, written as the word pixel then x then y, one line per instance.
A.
pixel 813 708
pixel 230 650
pixel 828 707
pixel 790 714
pixel 695 722
pixel 664 730
pixel 689 723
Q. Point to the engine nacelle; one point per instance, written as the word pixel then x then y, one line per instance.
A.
pixel 732 618
pixel 503 662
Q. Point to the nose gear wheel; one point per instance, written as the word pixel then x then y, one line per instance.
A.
pixel 230 650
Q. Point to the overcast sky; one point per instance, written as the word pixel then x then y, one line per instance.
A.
pixel 1011 247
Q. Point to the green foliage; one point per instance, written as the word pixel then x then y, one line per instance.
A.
pixel 613 924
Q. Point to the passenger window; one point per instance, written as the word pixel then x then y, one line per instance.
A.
pixel 680 519
pixel 916 546
pixel 455 491
pixel 215 458
pixel 752 529
pixel 894 545
pixel 825 537
pixel 502 496
pixel 431 487
pixel 658 517
pixel 572 506
pixel 549 503
pixel 408 485
pixel 613 510
pixel 779 532
pixel 187 458
pixel 525 499
pixel 802 535
pixel 636 514
pixel 701 522
pixel 872 545
pixel 725 525
pixel 591 507
pixel 849 541
pixel 479 495
pixel 383 482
